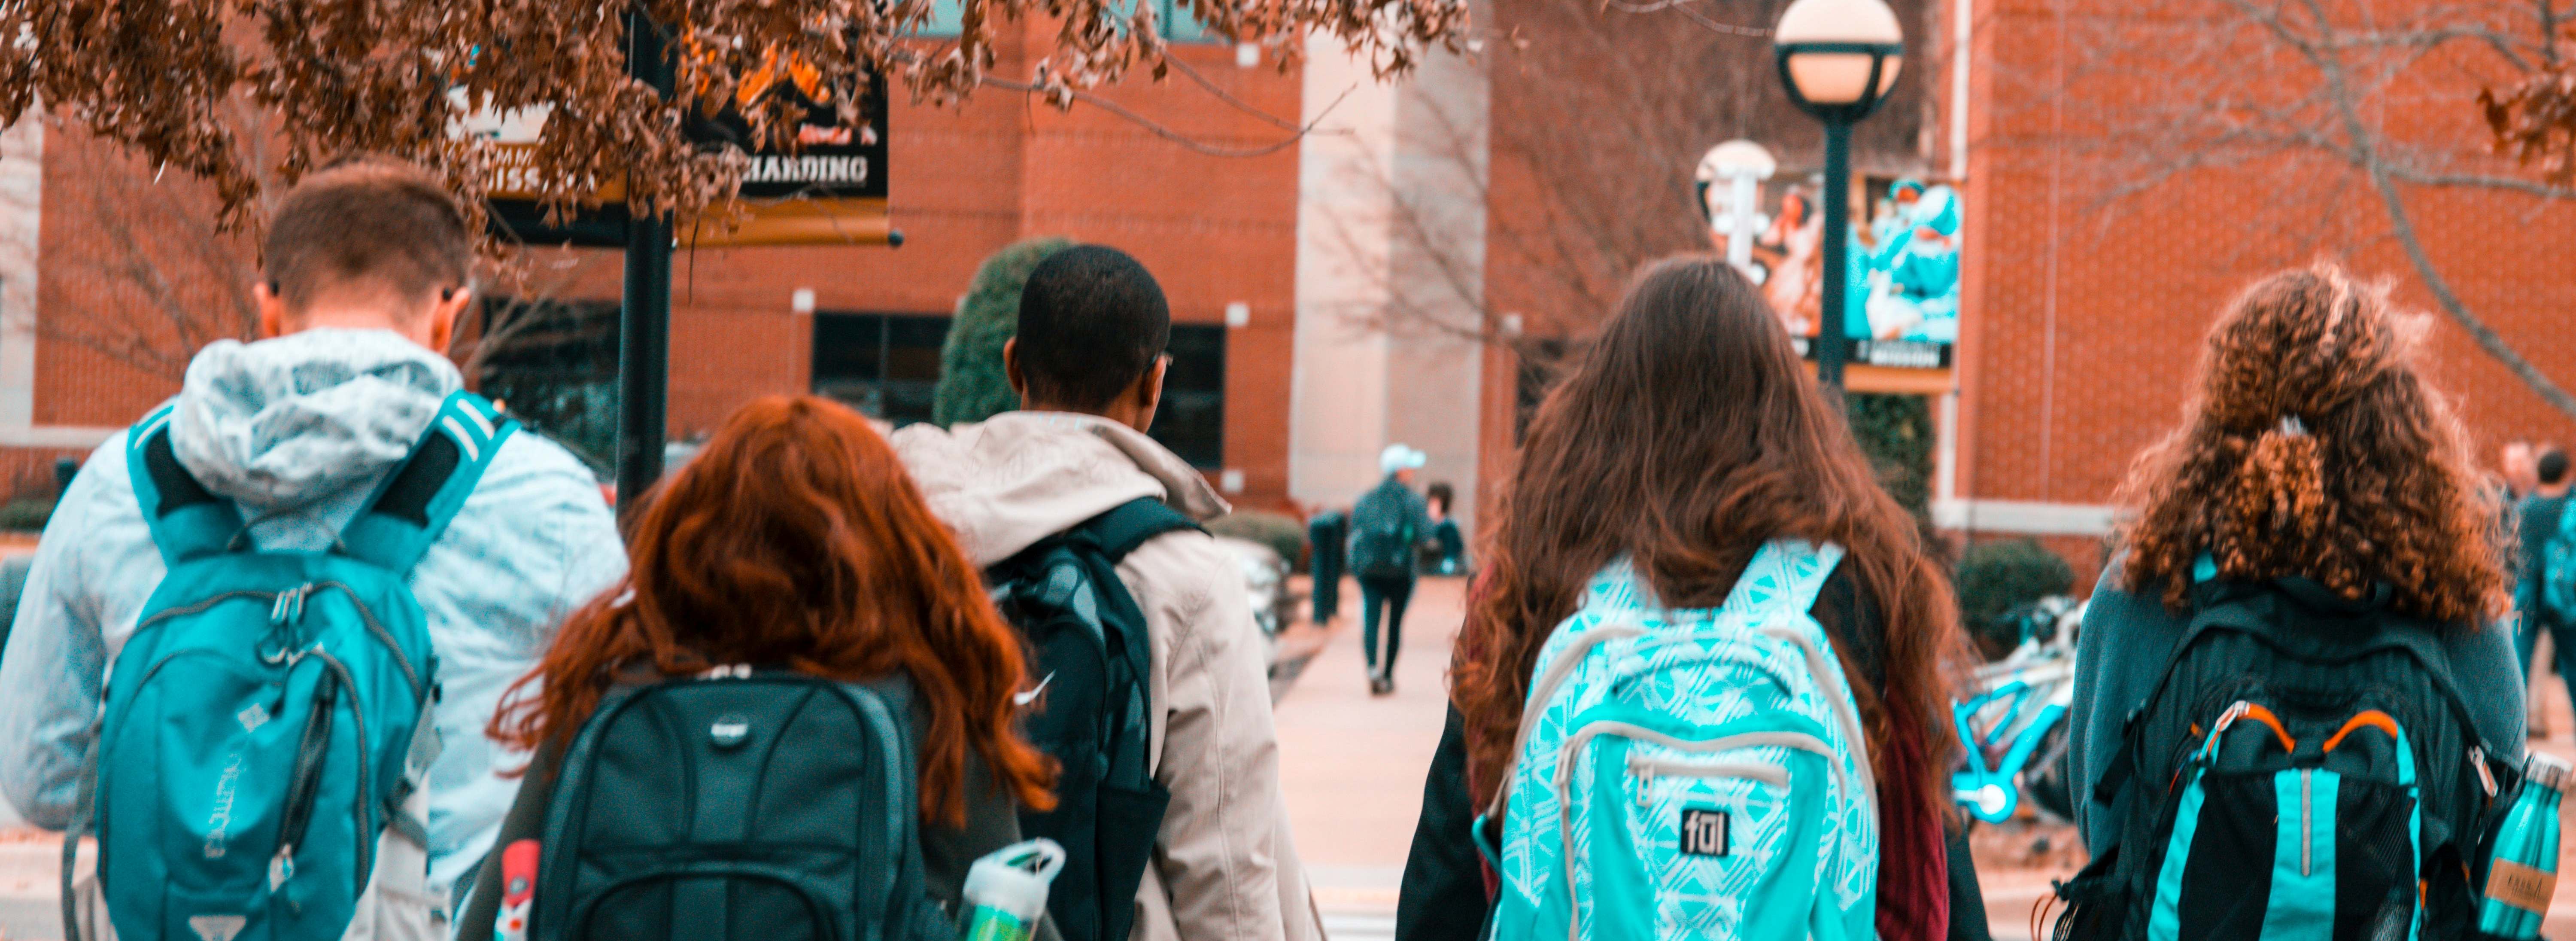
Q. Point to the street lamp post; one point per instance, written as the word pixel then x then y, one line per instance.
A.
pixel 1740 166
pixel 1837 58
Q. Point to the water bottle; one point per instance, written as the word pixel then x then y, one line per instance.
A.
pixel 2524 872
pixel 1006 891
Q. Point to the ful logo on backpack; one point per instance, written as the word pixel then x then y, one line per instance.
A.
pixel 1691 773
pixel 265 729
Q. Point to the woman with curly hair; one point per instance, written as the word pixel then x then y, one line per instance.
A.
pixel 2319 479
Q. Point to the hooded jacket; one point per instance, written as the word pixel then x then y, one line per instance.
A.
pixel 1224 868
pixel 297 431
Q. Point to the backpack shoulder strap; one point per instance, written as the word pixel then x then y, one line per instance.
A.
pixel 1784 576
pixel 187 520
pixel 414 505
pixel 1128 525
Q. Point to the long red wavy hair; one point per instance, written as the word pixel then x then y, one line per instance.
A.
pixel 795 538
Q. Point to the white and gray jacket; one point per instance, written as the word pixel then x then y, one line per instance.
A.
pixel 297 431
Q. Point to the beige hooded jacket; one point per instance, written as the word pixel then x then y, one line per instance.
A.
pixel 1224 868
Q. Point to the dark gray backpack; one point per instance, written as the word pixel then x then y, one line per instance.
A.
pixel 1089 657
pixel 758 806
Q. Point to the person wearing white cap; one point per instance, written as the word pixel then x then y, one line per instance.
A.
pixel 1387 529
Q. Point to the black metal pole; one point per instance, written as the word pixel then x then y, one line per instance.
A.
pixel 1833 346
pixel 644 322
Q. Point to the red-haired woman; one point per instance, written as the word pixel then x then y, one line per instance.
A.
pixel 795 538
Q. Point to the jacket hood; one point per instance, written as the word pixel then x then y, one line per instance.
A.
pixel 283 423
pixel 1005 483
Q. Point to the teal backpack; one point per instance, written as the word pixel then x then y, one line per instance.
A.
pixel 266 729
pixel 1691 773
pixel 2558 569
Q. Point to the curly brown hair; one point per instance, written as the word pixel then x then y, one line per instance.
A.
pixel 2314 447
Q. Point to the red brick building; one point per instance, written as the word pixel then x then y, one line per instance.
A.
pixel 2109 213
pixel 90 344
pixel 2085 312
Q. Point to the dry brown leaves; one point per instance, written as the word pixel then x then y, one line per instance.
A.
pixel 394 76
pixel 2534 120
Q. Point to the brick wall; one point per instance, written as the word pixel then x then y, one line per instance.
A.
pixel 2085 316
pixel 964 181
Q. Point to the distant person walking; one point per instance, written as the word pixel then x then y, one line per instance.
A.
pixel 792 545
pixel 332 492
pixel 2547 558
pixel 2304 603
pixel 1701 691
pixel 1388 525
pixel 1448 545
pixel 1088 363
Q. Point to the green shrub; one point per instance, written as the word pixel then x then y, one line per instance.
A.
pixel 1996 577
pixel 1281 532
pixel 26 514
pixel 972 386
pixel 1896 432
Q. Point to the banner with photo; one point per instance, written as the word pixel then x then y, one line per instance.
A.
pixel 1902 305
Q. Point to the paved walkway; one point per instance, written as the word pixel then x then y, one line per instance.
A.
pixel 1352 768
pixel 1352 763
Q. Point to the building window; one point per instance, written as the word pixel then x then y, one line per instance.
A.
pixel 887 366
pixel 1191 421
pixel 553 364
pixel 884 365
pixel 948 18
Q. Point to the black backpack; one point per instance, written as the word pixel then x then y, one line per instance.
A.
pixel 2305 768
pixel 1385 545
pixel 1089 656
pixel 772 806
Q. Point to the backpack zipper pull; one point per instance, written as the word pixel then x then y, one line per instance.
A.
pixel 289 607
pixel 281 867
pixel 2307 820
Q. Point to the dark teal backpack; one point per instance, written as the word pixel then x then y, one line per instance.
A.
pixel 267 723
pixel 2306 769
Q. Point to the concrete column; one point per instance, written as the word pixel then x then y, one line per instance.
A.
pixel 1390 275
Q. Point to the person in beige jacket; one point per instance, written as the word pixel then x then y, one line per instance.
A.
pixel 1088 364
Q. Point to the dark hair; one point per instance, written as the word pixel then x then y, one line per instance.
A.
pixel 1689 434
pixel 2314 448
pixel 796 538
pixel 1092 321
pixel 2553 466
pixel 369 226
pixel 1441 493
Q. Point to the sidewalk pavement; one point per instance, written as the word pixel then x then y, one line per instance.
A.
pixel 1352 764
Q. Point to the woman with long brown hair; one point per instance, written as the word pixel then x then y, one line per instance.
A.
pixel 2315 514
pixel 795 539
pixel 1689 436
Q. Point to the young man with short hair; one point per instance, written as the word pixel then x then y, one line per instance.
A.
pixel 1088 363
pixel 365 269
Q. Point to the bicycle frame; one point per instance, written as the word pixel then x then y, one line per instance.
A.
pixel 2026 695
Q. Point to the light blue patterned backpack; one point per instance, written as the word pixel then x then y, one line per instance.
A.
pixel 1691 773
